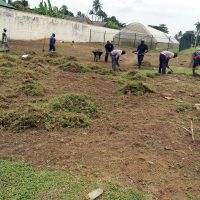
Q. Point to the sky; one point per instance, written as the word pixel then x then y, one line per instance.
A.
pixel 176 14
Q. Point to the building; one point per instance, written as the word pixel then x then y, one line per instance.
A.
pixel 135 32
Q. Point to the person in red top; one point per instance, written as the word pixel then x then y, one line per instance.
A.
pixel 165 56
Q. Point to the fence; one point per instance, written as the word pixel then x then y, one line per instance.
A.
pixel 122 39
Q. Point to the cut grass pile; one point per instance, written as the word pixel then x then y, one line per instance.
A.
pixel 66 111
pixel 32 88
pixel 136 88
pixel 74 67
pixel 20 181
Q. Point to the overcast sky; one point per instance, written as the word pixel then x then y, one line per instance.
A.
pixel 176 14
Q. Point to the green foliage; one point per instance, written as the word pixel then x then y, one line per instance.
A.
pixel 113 25
pixel 20 181
pixel 114 20
pixel 53 11
pixel 137 89
pixel 161 27
pixel 69 110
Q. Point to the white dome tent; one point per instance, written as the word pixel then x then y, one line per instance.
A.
pixel 132 34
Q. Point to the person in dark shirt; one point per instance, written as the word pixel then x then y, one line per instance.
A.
pixel 109 47
pixel 52 43
pixel 141 50
pixel 195 61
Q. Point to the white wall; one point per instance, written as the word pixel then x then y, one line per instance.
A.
pixel 28 26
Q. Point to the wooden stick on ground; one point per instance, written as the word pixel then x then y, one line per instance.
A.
pixel 192 130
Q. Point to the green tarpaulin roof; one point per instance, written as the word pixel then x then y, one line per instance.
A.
pixel 4 4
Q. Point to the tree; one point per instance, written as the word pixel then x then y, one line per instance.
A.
pixel 161 27
pixel 92 13
pixel 97 5
pixel 45 8
pixel 197 33
pixel 101 14
pixel 115 21
pixel 80 14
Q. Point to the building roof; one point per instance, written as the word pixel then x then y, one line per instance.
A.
pixel 6 5
pixel 147 31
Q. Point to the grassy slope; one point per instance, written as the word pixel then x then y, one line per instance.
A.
pixel 20 181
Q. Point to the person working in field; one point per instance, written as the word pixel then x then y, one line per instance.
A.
pixel 195 61
pixel 115 55
pixel 141 50
pixel 52 43
pixel 165 56
pixel 108 47
pixel 5 40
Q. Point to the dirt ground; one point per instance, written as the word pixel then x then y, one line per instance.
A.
pixel 137 141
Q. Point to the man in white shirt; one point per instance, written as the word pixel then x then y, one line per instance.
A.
pixel 165 56
pixel 115 55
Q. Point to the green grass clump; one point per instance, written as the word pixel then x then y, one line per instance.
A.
pixel 75 103
pixel 182 108
pixel 21 181
pixel 66 111
pixel 32 89
pixel 33 117
pixel 74 67
pixel 137 88
pixel 150 75
pixel 7 64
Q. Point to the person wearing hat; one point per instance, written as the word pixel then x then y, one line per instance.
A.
pixel 195 61
pixel 141 50
pixel 52 43
pixel 5 40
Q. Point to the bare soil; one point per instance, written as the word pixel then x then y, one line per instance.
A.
pixel 137 141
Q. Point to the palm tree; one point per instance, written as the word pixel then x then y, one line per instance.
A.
pixel 91 13
pixel 197 33
pixel 97 5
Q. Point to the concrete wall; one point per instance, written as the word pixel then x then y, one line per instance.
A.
pixel 28 26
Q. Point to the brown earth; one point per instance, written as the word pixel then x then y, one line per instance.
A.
pixel 137 141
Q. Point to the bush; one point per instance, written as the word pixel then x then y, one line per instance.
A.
pixel 137 89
